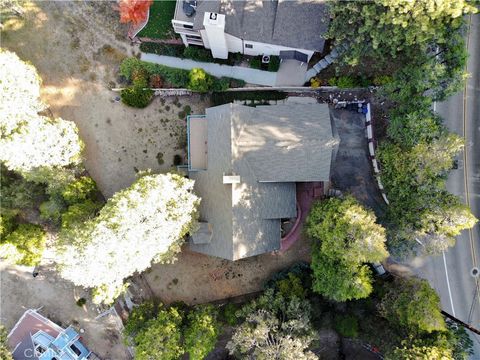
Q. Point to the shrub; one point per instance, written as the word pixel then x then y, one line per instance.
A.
pixel 52 209
pixel 7 222
pixel 198 54
pixel 24 246
pixel 80 190
pixel 347 326
pixel 315 82
pixel 139 77
pixel 162 49
pixel 80 302
pixel 79 213
pixel 136 96
pixel 236 83
pixel 221 84
pixel 346 82
pixel 156 81
pixel 274 64
pixel 229 314
pixel 256 63
pixel 382 80
pixel 199 80
pixel 332 81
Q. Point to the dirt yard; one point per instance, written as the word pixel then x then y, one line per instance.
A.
pixel 77 48
pixel 56 299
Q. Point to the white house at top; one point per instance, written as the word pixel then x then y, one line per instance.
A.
pixel 291 29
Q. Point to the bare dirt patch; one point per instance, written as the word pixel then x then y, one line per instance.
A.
pixel 56 300
pixel 77 48
pixel 195 278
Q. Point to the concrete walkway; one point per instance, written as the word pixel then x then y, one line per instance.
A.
pixel 250 76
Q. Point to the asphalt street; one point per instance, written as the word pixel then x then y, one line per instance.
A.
pixel 450 273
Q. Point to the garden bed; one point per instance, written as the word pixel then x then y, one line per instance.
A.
pixel 201 54
pixel 159 24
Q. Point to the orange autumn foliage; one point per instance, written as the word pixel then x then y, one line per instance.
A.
pixel 134 11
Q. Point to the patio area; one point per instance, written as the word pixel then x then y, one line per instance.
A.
pixel 291 73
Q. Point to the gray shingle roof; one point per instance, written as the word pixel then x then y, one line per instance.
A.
pixel 281 144
pixel 292 23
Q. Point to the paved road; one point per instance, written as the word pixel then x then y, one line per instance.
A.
pixel 450 273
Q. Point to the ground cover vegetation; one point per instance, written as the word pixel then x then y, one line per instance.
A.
pixel 425 40
pixel 41 170
pixel 143 74
pixel 159 24
pixel 285 321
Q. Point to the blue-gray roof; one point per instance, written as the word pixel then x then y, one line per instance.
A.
pixel 269 148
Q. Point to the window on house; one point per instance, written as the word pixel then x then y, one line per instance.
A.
pixel 188 26
pixel 249 46
pixel 194 37
pixel 75 349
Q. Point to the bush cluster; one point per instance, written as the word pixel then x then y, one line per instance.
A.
pixel 140 73
pixel 273 65
pixel 136 96
pixel 192 52
pixel 346 82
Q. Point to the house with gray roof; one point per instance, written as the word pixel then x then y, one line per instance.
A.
pixel 287 28
pixel 246 162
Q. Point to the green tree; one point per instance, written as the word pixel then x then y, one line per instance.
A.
pixel 419 351
pixel 344 237
pixel 202 332
pixel 413 304
pixel 161 337
pixel 382 29
pixel 422 215
pixel 142 224
pixel 24 246
pixel 139 317
pixel 29 140
pixel 5 353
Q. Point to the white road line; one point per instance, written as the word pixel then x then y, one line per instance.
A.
pixel 434 106
pixel 448 283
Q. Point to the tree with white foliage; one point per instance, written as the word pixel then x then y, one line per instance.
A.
pixel 274 328
pixel 138 226
pixel 30 141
